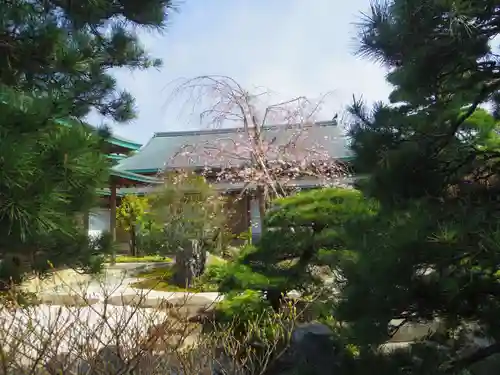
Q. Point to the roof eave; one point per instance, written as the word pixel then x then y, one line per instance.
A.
pixel 344 159
pixel 134 176
pixel 132 146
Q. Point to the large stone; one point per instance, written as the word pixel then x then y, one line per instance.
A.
pixel 300 332
pixel 109 361
pixel 189 362
pixel 190 262
pixel 156 364
pixel 311 349
pixel 412 331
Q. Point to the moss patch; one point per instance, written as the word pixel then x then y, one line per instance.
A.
pixel 215 260
pixel 161 279
pixel 142 259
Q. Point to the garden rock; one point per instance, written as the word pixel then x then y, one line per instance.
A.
pixel 414 330
pixel 155 364
pixel 311 349
pixel 108 361
pixel 190 262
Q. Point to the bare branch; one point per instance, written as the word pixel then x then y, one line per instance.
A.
pixel 273 146
pixel 72 332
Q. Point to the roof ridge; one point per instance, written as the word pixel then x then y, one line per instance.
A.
pixel 181 133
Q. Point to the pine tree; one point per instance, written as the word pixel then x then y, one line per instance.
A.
pixel 55 58
pixel 307 231
pixel 433 159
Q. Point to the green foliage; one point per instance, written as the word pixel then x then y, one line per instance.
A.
pixel 244 310
pixel 151 242
pixel 47 175
pixel 11 271
pixel 133 215
pixel 80 252
pixel 62 51
pixel 245 306
pixel 54 63
pixel 56 250
pixel 103 243
pixel 99 249
pixel 216 272
pixel 132 212
pixel 240 277
pixel 258 336
pixel 432 251
pixel 151 238
pixel 304 230
pixel 189 209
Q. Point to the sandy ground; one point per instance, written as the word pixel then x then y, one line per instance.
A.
pixel 93 320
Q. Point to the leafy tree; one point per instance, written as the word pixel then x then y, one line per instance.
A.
pixel 192 214
pixel 54 63
pixel 432 155
pixel 131 214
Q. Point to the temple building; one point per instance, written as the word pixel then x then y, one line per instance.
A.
pixel 137 167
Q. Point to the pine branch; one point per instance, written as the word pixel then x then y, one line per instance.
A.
pixel 486 90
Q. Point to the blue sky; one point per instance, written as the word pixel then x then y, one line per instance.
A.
pixel 293 47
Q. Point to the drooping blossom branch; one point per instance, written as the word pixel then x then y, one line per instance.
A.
pixel 272 146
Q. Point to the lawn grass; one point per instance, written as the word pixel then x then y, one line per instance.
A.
pixel 160 279
pixel 142 259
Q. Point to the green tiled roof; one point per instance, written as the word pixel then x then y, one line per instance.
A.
pixel 228 187
pixel 134 176
pixel 163 150
pixel 116 156
pixel 121 192
pixel 123 142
